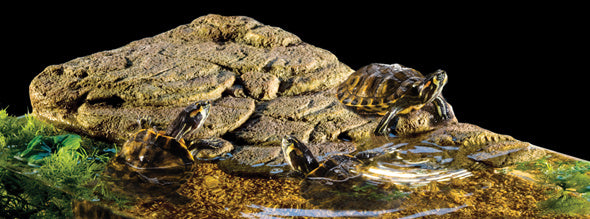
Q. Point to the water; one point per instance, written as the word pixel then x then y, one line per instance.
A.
pixel 399 178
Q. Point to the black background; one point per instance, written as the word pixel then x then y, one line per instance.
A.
pixel 519 70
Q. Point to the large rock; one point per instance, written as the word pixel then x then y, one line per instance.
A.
pixel 317 117
pixel 264 83
pixel 478 144
pixel 213 57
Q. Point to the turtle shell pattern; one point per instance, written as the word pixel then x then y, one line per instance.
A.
pixel 337 168
pixel 373 88
pixel 154 157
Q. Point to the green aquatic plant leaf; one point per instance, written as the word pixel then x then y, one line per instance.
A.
pixel 42 147
pixel 36 150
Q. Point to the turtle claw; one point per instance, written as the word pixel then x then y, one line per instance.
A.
pixel 144 122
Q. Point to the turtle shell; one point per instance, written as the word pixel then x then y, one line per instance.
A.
pixel 336 168
pixel 373 88
pixel 154 157
pixel 151 159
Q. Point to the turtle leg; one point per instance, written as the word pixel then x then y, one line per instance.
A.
pixel 442 108
pixel 211 148
pixel 144 122
pixel 388 122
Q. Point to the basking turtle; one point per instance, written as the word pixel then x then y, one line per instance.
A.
pixel 159 157
pixel 392 90
pixel 336 168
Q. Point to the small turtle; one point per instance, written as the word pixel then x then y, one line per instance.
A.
pixel 392 90
pixel 160 157
pixel 338 182
pixel 336 168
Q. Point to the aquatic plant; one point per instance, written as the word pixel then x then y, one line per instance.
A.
pixel 572 198
pixel 23 197
pixel 573 193
pixel 567 203
pixel 16 130
pixel 68 167
pixel 570 175
pixel 42 147
pixel 62 166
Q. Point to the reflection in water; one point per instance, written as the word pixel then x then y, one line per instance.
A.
pixel 267 212
pixel 412 177
pixel 384 181
pixel 414 163
pixel 422 149
pixel 440 211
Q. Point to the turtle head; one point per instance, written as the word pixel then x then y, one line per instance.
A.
pixel 432 86
pixel 417 91
pixel 414 94
pixel 189 119
pixel 297 155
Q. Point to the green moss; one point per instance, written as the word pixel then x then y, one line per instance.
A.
pixel 566 204
pixel 62 166
pixel 572 176
pixel 69 168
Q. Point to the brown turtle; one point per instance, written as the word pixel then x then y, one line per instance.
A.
pixel 160 157
pixel 392 90
pixel 335 168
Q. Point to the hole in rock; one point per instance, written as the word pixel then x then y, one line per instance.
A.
pixel 113 101
pixel 344 136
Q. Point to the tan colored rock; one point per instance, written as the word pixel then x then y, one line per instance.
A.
pixel 261 86
pixel 266 130
pixel 264 83
pixel 317 117
pixel 480 145
pixel 103 94
pixel 226 115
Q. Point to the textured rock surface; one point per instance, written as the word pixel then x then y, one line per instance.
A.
pixel 264 83
pixel 478 144
pixel 103 94
pixel 261 86
pixel 317 117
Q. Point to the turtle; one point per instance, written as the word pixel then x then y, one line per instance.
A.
pixel 338 181
pixel 392 90
pixel 160 157
pixel 335 168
